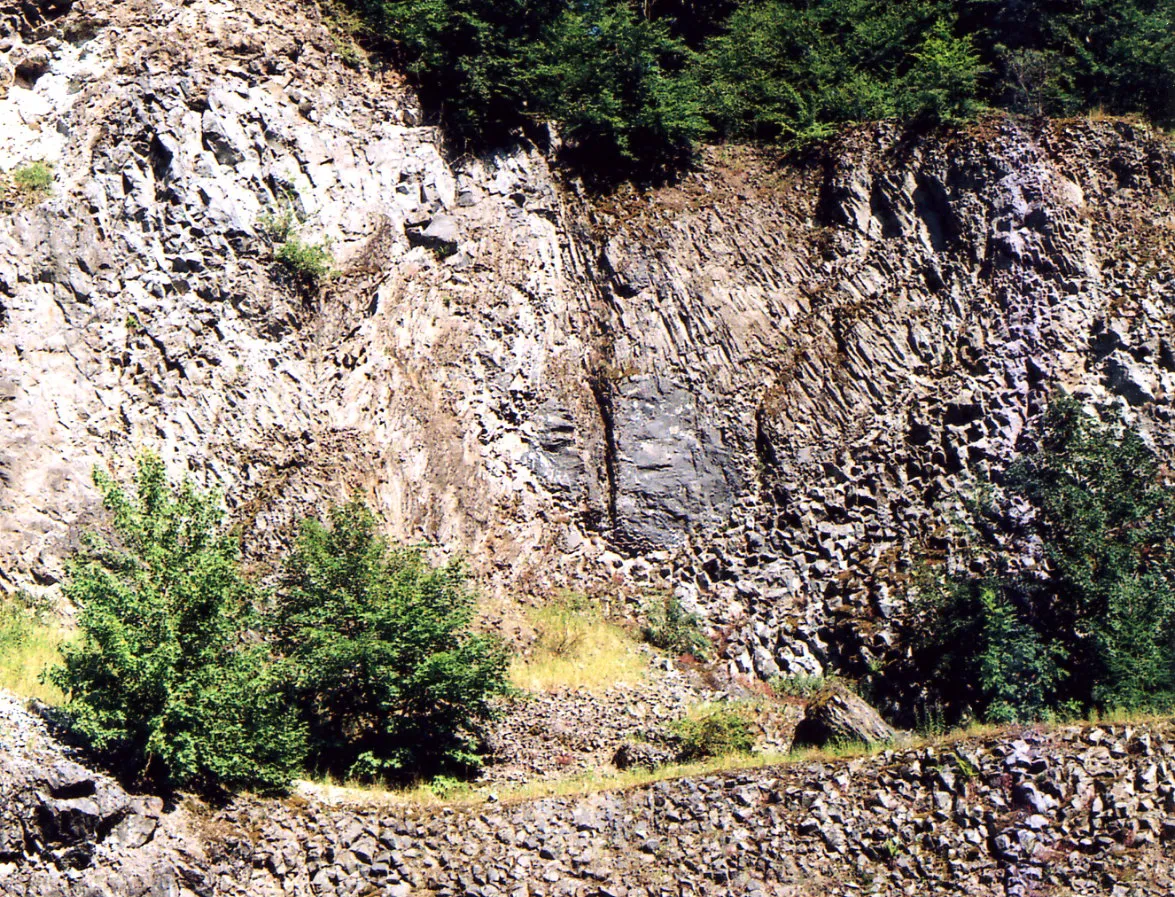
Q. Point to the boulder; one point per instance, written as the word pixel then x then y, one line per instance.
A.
pixel 441 235
pixel 641 755
pixel 838 715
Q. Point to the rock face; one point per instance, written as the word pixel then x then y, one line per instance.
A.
pixel 1082 810
pixel 65 829
pixel 764 387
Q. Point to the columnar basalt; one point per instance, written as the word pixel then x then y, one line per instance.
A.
pixel 766 386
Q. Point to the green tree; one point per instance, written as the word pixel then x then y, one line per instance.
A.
pixel 164 676
pixel 943 82
pixel 1058 57
pixel 620 85
pixel 468 56
pixel 793 71
pixel 381 659
pixel 1093 626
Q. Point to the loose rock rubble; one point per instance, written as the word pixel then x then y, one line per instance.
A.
pixel 65 829
pixel 1077 810
pixel 556 734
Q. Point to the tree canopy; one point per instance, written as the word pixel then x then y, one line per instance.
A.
pixel 636 85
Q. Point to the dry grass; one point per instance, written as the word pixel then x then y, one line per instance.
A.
pixel 608 779
pixel 577 648
pixel 30 643
pixel 590 782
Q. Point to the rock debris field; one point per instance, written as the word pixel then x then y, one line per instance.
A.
pixel 1075 810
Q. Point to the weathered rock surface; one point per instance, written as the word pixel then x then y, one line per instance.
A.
pixel 65 829
pixel 764 386
pixel 1080 810
pixel 838 715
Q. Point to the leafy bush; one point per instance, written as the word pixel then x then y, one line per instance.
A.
pixel 614 80
pixel 1093 626
pixel 793 72
pixel 311 262
pixel 379 654
pixel 470 56
pixel 1058 58
pixel 714 732
pixel 670 627
pixel 163 676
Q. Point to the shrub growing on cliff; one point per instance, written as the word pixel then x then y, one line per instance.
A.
pixel 163 676
pixel 380 657
pixel 670 627
pixel 1093 627
pixel 310 262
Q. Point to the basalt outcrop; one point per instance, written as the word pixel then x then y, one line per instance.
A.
pixel 765 386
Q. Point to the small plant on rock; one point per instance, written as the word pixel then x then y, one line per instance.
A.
pixel 670 627
pixel 804 687
pixel 310 262
pixel 30 184
pixel 714 732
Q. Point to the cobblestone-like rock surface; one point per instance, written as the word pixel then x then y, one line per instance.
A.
pixel 1079 810
pixel 555 734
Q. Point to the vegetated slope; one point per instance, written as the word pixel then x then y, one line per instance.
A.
pixel 1079 810
pixel 764 386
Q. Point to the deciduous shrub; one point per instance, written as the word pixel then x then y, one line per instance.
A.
pixel 638 84
pixel 164 677
pixel 1092 626
pixel 380 657
pixel 670 627
pixel 311 262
